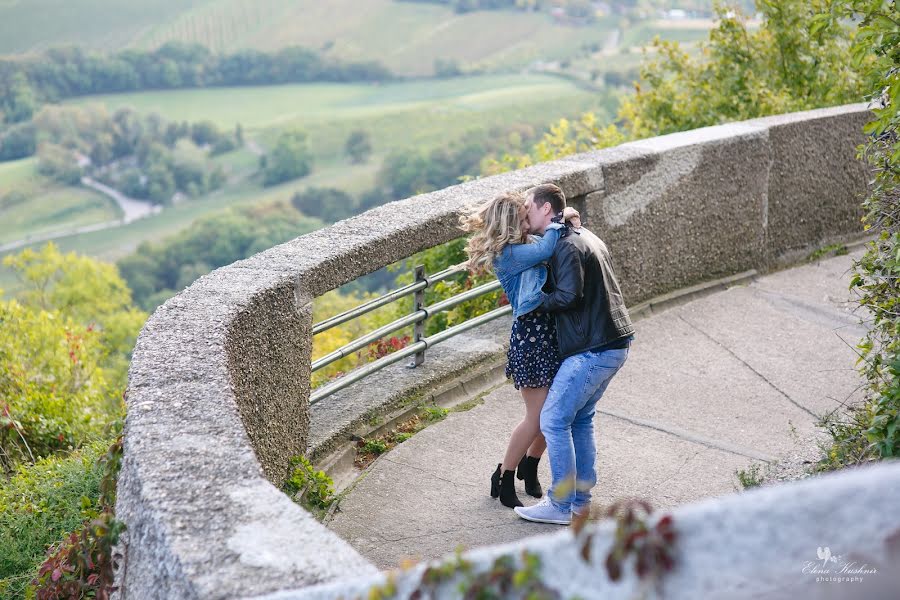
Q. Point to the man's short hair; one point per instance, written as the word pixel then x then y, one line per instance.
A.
pixel 551 193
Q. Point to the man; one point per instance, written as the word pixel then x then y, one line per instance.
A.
pixel 594 332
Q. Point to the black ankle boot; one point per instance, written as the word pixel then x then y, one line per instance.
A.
pixel 508 497
pixel 495 482
pixel 527 470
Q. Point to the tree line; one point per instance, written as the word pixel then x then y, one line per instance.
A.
pixel 66 72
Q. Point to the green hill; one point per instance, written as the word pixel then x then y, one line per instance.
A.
pixel 406 37
pixel 421 113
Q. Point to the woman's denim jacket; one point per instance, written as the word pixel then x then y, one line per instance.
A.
pixel 522 272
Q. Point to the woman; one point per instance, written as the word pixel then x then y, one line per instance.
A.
pixel 501 242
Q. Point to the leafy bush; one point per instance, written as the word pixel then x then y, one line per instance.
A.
pixel 375 446
pixel 55 393
pixel 90 293
pixel 358 146
pixel 434 414
pixel 328 204
pixel 872 431
pixel 59 164
pixel 799 58
pixel 18 141
pixel 318 486
pixel 83 565
pixel 39 505
pixel 291 158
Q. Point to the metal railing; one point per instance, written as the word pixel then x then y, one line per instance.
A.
pixel 417 318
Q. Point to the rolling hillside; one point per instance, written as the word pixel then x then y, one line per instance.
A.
pixel 419 114
pixel 406 37
pixel 422 114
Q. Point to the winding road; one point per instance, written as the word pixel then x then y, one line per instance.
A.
pixel 132 210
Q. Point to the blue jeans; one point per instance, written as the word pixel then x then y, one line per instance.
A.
pixel 567 422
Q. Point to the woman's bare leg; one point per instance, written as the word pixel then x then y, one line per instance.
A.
pixel 524 436
pixel 537 447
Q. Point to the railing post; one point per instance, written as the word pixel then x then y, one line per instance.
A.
pixel 419 328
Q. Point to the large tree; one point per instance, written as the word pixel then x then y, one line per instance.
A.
pixel 290 159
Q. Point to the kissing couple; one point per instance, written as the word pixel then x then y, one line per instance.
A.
pixel 571 333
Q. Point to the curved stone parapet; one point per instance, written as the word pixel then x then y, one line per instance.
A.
pixel 762 544
pixel 219 381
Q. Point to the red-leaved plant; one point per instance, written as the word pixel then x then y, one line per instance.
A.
pixel 83 564
pixel 383 347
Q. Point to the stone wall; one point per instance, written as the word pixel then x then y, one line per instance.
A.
pixel 761 544
pixel 219 382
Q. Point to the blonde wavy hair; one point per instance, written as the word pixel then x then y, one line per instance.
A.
pixel 494 225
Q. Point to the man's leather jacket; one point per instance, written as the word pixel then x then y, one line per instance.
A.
pixel 584 295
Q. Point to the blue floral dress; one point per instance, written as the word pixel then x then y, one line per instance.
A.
pixel 533 357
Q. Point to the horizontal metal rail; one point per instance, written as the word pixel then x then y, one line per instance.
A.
pixel 394 357
pixel 367 339
pixel 402 322
pixel 391 296
pixel 463 297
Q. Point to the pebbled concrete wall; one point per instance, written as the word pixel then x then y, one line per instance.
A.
pixel 761 544
pixel 219 382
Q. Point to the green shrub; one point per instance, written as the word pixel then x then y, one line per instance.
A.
pixel 291 158
pixel 318 486
pixel 750 477
pixel 39 505
pixel 435 413
pixel 872 431
pixel 50 372
pixel 375 446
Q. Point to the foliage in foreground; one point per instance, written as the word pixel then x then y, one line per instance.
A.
pixel 641 541
pixel 316 487
pixel 65 344
pixel 39 505
pixel 871 431
pixel 84 563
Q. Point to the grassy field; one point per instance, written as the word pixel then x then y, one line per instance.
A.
pixel 19 175
pixel 407 37
pixel 686 33
pixel 31 204
pixel 422 114
pixel 260 107
pixel 112 244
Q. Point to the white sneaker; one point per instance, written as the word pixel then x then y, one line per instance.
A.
pixel 544 512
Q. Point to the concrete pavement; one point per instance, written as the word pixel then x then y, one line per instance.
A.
pixel 710 387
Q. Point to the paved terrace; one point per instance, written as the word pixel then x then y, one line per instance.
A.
pixel 218 391
pixel 711 386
